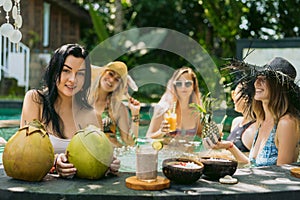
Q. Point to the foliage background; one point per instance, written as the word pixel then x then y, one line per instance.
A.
pixel 214 24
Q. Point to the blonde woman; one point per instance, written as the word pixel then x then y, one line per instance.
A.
pixel 109 84
pixel 62 104
pixel 182 89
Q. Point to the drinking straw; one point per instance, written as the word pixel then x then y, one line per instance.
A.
pixel 174 107
pixel 223 120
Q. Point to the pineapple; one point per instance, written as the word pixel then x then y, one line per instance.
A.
pixel 210 128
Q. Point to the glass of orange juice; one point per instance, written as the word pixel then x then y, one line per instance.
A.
pixel 172 120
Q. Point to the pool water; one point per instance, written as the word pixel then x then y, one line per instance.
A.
pixel 10 113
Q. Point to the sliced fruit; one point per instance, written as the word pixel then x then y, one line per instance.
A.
pixel 157 145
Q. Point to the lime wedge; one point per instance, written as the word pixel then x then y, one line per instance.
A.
pixel 157 145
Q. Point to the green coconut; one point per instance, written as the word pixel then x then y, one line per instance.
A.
pixel 28 154
pixel 91 152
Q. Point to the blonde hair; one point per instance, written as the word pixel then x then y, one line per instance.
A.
pixel 114 98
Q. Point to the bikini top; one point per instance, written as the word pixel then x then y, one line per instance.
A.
pixel 109 125
pixel 236 136
pixel 269 154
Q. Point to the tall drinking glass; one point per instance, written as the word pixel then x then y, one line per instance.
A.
pixel 146 163
pixel 172 120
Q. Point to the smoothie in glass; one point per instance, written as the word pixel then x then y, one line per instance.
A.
pixel 146 163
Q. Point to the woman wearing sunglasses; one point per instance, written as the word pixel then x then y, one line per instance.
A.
pixel 109 84
pixel 182 89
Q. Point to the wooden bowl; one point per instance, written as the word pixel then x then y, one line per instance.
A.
pixel 178 171
pixel 215 168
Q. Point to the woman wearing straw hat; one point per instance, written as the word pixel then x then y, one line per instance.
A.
pixel 277 110
pixel 61 105
pixel 109 84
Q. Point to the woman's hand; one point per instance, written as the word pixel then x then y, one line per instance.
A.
pixel 208 144
pixel 163 131
pixel 63 168
pixel 165 127
pixel 134 105
pixel 114 166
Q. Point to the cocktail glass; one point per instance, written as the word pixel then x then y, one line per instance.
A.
pixel 172 120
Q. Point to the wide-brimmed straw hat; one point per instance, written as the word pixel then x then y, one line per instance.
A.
pixel 116 66
pixel 279 68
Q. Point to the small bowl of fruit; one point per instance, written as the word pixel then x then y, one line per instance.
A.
pixel 182 170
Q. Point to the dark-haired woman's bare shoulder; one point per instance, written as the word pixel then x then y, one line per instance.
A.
pixel 32 107
pixel 33 94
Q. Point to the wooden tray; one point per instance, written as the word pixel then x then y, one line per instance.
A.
pixel 135 184
pixel 295 172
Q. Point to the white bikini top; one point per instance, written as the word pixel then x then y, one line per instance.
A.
pixel 59 145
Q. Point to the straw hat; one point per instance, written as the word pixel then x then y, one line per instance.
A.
pixel 116 66
pixel 279 67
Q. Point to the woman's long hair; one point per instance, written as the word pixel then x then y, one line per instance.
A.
pixel 170 96
pixel 52 77
pixel 280 101
pixel 114 98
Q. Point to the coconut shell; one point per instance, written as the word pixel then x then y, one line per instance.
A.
pixel 91 152
pixel 28 154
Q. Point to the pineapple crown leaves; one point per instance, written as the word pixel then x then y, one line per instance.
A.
pixel 205 110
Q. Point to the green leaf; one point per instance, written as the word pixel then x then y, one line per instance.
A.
pixel 198 108
pixel 99 26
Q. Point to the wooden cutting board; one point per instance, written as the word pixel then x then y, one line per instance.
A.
pixel 135 184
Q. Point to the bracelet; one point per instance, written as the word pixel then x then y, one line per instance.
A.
pixel 135 118
pixel 53 168
pixel 230 146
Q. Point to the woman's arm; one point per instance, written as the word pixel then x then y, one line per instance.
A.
pixel 287 137
pixel 31 108
pixel 228 145
pixel 154 127
pixel 158 127
pixel 127 131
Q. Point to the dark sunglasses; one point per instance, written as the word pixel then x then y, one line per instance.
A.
pixel 186 83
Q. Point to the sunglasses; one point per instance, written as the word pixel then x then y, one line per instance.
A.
pixel 186 83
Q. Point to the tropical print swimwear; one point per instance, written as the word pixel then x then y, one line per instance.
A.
pixel 269 154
